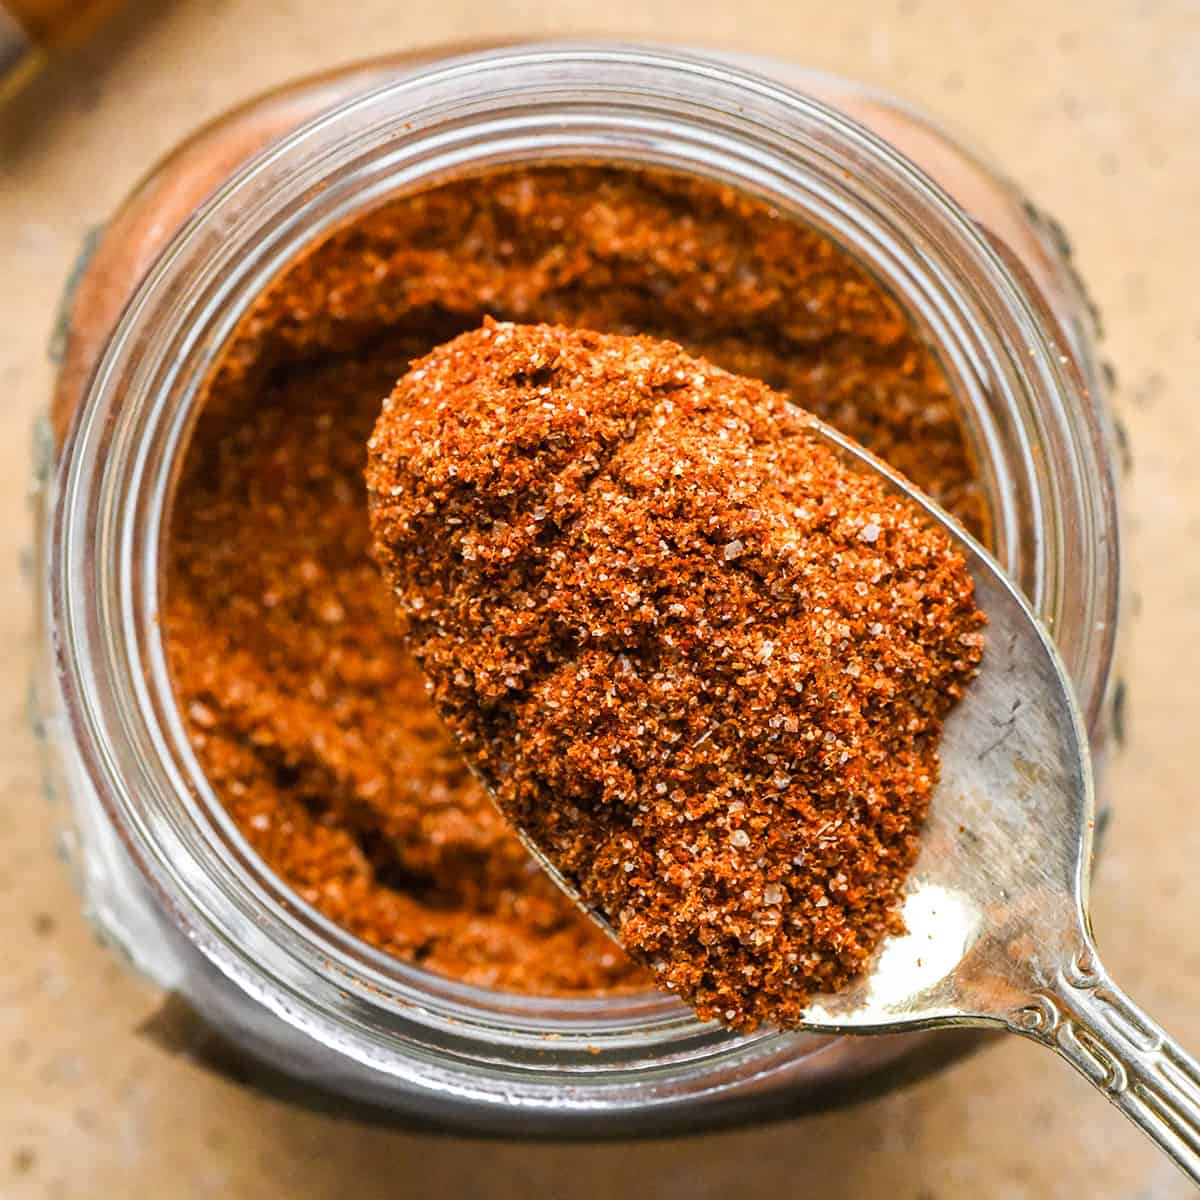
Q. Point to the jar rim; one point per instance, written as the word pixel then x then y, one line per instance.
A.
pixel 523 104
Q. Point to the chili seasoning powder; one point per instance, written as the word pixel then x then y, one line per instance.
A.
pixel 303 707
pixel 697 658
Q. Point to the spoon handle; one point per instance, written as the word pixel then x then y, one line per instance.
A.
pixel 1111 1042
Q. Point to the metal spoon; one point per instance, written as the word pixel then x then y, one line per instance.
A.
pixel 996 909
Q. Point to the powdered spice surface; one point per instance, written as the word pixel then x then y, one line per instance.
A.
pixel 311 720
pixel 701 661
pixel 304 709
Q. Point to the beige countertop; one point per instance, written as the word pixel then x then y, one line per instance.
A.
pixel 1093 105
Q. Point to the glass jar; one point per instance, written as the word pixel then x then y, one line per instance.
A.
pixel 165 874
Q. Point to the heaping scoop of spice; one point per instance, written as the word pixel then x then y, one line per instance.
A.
pixel 699 661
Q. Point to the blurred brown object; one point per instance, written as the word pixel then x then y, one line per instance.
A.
pixel 31 30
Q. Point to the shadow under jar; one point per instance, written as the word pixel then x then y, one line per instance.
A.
pixel 166 874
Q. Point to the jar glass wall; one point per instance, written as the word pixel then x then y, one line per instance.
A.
pixel 163 868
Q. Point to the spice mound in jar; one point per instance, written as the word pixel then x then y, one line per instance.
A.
pixel 304 709
pixel 697 658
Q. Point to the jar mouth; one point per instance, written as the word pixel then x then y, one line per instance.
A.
pixel 1034 434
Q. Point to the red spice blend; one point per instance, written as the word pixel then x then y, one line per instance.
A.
pixel 698 659
pixel 311 721
pixel 304 708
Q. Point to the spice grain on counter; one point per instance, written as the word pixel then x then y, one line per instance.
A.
pixel 701 661
pixel 304 709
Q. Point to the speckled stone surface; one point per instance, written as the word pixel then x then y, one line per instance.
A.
pixel 1093 106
